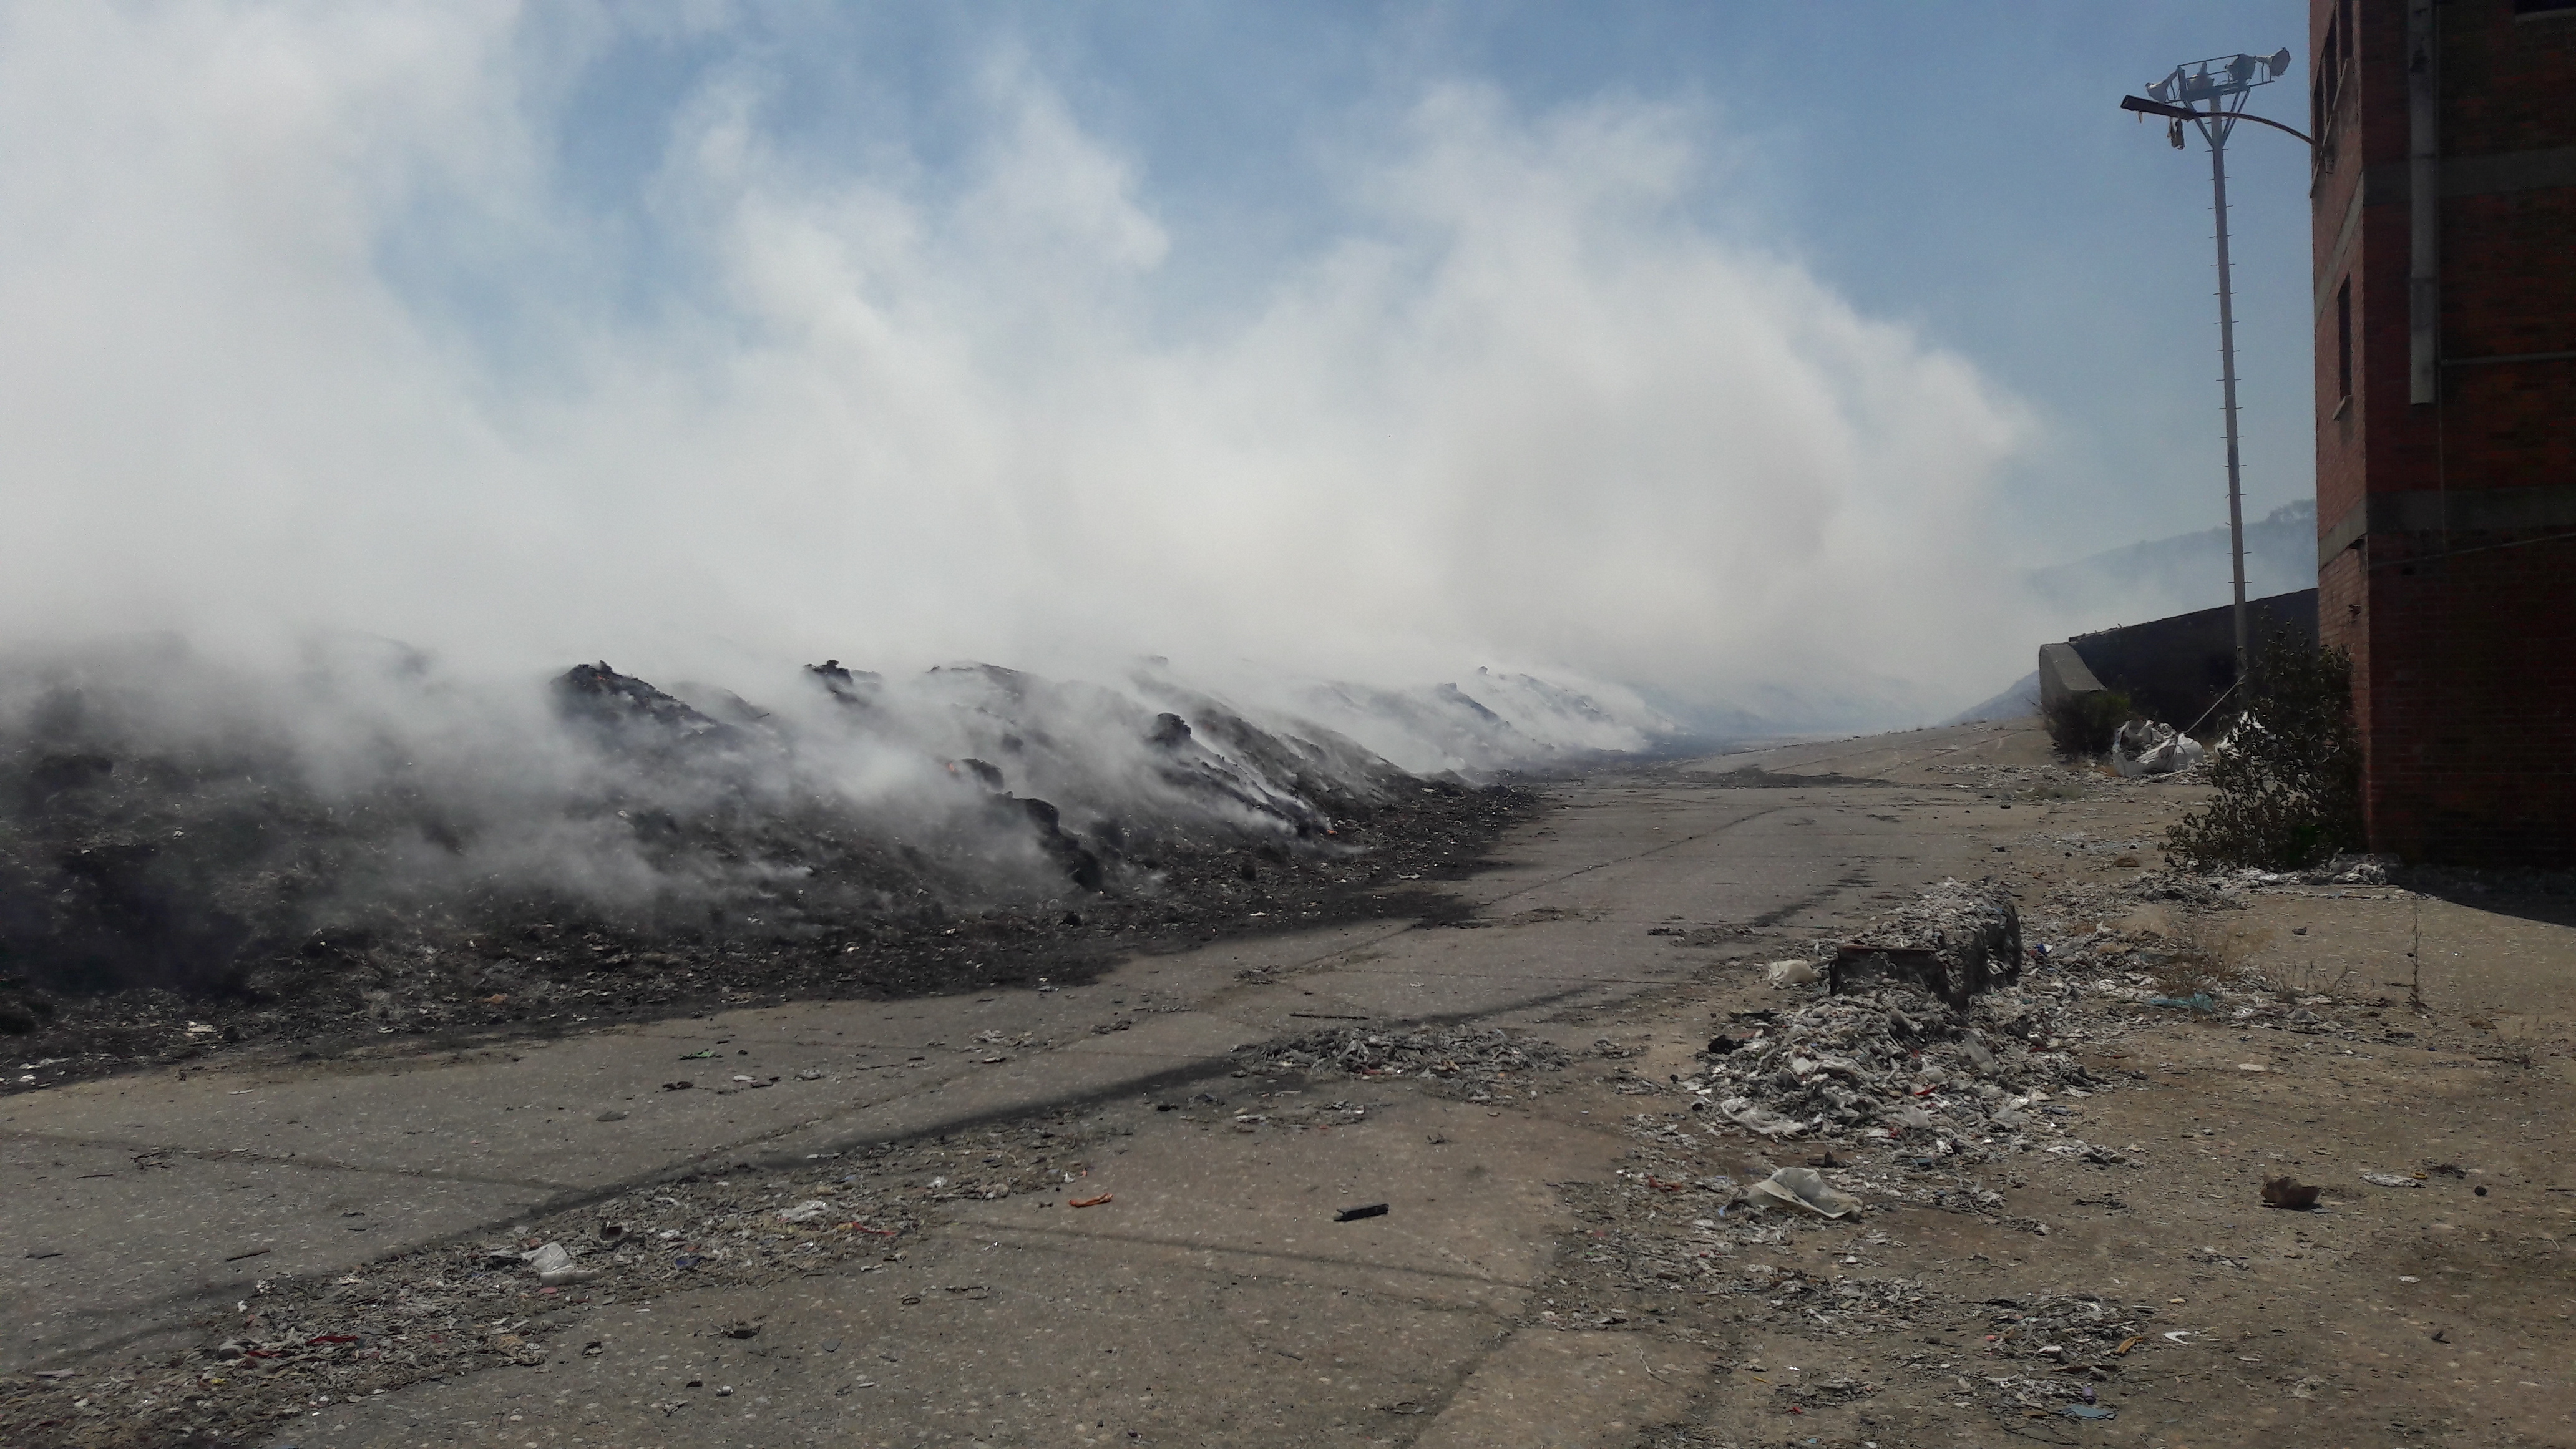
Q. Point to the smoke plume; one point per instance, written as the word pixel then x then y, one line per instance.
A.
pixel 315 324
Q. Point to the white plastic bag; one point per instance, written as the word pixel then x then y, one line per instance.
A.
pixel 2144 747
pixel 1792 973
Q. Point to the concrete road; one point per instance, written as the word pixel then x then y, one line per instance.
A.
pixel 139 1204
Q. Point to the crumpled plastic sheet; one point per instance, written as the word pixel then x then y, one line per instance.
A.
pixel 1804 1187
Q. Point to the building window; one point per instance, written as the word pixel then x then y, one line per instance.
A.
pixel 2325 85
pixel 2343 346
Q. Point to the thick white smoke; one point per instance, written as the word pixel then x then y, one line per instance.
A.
pixel 302 324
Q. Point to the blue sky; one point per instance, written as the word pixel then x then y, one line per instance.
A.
pixel 1966 172
pixel 1668 345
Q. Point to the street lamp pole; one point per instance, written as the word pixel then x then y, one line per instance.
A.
pixel 2224 82
pixel 2216 131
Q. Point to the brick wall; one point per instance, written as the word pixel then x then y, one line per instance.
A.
pixel 2448 531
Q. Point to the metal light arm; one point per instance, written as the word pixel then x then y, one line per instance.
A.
pixel 2186 113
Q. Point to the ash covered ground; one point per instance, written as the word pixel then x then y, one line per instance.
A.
pixel 193 863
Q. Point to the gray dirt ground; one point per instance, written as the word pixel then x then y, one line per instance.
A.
pixel 304 1253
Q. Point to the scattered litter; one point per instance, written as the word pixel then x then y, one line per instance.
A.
pixel 2290 1193
pixel 2197 1001
pixel 804 1212
pixel 2087 1411
pixel 1086 1201
pixel 554 1265
pixel 1354 1214
pixel 1475 1059
pixel 2389 1179
pixel 2360 870
pixel 1743 1113
pixel 1804 1187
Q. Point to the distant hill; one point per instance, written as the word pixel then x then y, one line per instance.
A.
pixel 2156 579
pixel 2017 702
pixel 2176 575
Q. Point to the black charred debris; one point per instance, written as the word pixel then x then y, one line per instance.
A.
pixel 158 903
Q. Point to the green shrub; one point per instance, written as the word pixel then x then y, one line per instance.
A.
pixel 2289 776
pixel 2082 724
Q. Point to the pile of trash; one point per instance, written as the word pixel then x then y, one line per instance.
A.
pixel 1477 1058
pixel 1926 1030
pixel 1896 1063
pixel 1953 941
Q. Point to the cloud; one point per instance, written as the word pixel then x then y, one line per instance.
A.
pixel 305 327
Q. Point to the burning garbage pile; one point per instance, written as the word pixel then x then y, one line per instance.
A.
pixel 376 846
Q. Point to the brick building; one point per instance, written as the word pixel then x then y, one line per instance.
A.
pixel 2445 268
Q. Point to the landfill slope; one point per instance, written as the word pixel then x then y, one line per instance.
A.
pixel 187 871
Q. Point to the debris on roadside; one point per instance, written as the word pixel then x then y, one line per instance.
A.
pixel 449 1309
pixel 1954 940
pixel 1480 1060
pixel 554 1266
pixel 2289 1193
pixel 1806 1188
pixel 1354 1214
pixel 1900 1064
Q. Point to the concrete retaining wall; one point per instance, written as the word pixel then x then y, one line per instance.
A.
pixel 2174 669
